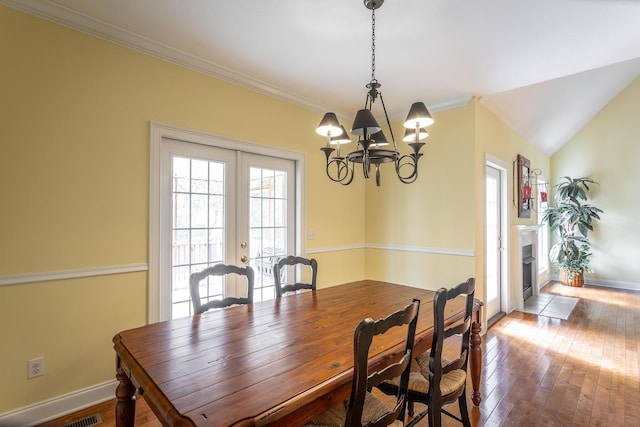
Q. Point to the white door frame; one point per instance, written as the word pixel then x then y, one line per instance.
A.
pixel 158 131
pixel 503 168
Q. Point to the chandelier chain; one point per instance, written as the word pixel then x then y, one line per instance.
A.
pixel 373 45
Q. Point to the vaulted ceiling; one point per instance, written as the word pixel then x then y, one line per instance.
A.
pixel 545 67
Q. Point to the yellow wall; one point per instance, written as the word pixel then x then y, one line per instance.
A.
pixel 434 214
pixel 496 139
pixel 444 210
pixel 74 180
pixel 607 151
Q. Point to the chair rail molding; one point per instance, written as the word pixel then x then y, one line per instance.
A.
pixel 398 248
pixel 423 249
pixel 50 276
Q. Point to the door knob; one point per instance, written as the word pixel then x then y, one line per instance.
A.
pixel 244 258
pixel 243 245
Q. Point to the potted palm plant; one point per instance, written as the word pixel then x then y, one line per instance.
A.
pixel 571 220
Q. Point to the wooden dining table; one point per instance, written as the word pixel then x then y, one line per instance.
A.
pixel 280 362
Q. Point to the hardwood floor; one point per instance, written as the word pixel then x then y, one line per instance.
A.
pixel 539 371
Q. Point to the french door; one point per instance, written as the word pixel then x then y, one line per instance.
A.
pixel 221 205
pixel 493 241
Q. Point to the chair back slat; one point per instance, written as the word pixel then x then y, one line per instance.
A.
pixel 458 329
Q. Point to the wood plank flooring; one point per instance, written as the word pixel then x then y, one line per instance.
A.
pixel 538 371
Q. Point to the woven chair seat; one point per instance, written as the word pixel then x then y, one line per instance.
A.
pixel 334 417
pixel 419 377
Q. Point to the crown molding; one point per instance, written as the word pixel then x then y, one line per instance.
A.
pixel 460 101
pixel 85 24
pixel 69 18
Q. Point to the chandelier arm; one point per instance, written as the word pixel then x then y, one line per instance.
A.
pixel 368 101
pixel 344 173
pixel 366 164
pixel 412 164
pixel 386 116
pixel 348 174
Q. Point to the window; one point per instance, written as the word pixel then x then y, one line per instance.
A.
pixel 543 232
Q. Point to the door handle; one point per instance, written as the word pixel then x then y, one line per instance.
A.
pixel 244 258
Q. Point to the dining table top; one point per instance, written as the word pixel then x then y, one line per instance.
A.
pixel 279 362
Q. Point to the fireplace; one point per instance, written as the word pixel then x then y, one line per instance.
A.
pixel 523 265
pixel 527 271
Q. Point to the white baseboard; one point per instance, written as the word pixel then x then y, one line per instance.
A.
pixel 616 284
pixel 59 406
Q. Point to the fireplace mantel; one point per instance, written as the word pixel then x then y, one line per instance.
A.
pixel 522 235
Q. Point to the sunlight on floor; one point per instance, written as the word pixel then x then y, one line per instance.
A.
pixel 587 292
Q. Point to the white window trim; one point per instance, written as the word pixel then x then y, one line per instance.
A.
pixel 159 131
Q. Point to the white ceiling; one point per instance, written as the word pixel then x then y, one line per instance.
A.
pixel 545 67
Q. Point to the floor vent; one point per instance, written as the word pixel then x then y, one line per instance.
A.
pixel 91 420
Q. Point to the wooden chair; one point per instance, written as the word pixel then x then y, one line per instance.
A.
pixel 293 286
pixel 219 270
pixel 362 408
pixel 435 381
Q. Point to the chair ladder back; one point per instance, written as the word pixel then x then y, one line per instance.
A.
pixel 441 333
pixel 220 270
pixel 363 381
pixel 291 260
pixel 432 383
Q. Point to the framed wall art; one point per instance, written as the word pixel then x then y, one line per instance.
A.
pixel 522 171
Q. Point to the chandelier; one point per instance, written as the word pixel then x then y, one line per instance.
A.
pixel 373 147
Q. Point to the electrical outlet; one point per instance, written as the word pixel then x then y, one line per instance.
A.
pixel 35 367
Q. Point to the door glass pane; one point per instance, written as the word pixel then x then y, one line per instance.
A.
pixel 198 228
pixel 267 226
pixel 491 241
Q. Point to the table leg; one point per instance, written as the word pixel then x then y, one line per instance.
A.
pixel 475 346
pixel 126 405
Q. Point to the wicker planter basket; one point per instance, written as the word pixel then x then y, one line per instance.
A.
pixel 576 281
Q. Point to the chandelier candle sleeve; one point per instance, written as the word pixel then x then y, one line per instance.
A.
pixel 410 135
pixel 340 139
